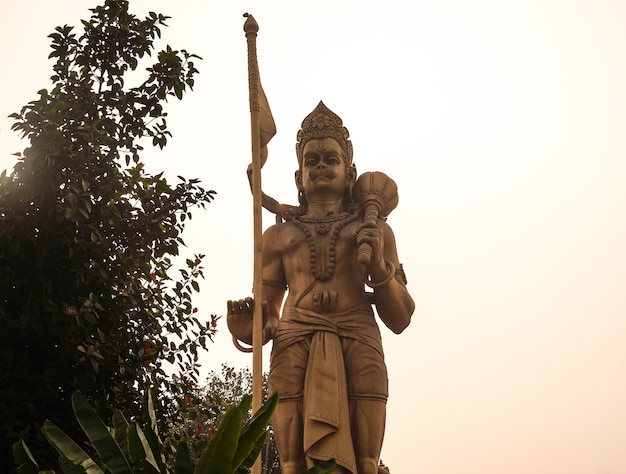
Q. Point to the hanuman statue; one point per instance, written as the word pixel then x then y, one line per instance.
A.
pixel 327 361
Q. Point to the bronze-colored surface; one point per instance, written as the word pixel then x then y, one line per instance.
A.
pixel 327 361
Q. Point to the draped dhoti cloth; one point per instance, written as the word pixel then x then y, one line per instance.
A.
pixel 325 360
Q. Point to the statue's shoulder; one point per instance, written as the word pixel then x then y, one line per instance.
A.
pixel 279 231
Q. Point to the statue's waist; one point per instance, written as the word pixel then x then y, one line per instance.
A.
pixel 346 323
pixel 297 324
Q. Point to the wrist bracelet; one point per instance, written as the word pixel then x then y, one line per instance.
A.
pixel 240 347
pixel 390 275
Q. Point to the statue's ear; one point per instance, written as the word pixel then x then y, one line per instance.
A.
pixel 351 173
pixel 298 177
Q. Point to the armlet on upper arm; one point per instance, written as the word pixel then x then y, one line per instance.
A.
pixel 275 284
pixel 400 271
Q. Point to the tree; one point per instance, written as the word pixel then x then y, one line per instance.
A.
pixel 88 299
pixel 203 409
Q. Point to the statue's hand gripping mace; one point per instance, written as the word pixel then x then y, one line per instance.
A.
pixel 378 195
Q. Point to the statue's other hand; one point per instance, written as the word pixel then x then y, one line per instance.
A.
pixel 239 320
pixel 240 307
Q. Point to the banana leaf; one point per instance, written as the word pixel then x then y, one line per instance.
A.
pixel 151 430
pixel 120 427
pixel 246 465
pixel 140 453
pixel 218 457
pixel 69 450
pixel 100 436
pixel 69 468
pixel 245 404
pixel 254 430
pixel 23 458
pixel 182 462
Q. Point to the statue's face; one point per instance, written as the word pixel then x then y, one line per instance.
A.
pixel 323 168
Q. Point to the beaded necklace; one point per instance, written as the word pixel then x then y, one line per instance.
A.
pixel 322 225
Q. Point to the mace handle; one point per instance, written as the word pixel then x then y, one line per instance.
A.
pixel 372 210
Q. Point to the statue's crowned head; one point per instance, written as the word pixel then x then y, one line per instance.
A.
pixel 324 123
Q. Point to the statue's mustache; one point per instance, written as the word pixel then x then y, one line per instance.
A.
pixel 327 173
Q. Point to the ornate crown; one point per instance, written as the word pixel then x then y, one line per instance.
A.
pixel 324 123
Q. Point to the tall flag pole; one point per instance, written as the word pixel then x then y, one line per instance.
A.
pixel 262 130
pixel 251 28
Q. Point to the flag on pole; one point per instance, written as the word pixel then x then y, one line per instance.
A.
pixel 266 122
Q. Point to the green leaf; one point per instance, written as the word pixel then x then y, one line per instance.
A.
pixel 254 430
pixel 120 428
pixel 23 458
pixel 246 403
pixel 246 464
pixel 140 452
pixel 69 468
pixel 218 457
pixel 151 428
pixel 100 436
pixel 182 463
pixel 69 450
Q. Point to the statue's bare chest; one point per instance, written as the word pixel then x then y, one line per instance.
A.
pixel 317 246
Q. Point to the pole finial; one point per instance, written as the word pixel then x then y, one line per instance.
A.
pixel 250 26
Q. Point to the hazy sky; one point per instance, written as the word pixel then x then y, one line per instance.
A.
pixel 504 125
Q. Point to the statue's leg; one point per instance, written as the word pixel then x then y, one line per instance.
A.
pixel 366 375
pixel 287 424
pixel 287 370
pixel 367 419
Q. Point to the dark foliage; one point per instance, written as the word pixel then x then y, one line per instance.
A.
pixel 87 237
